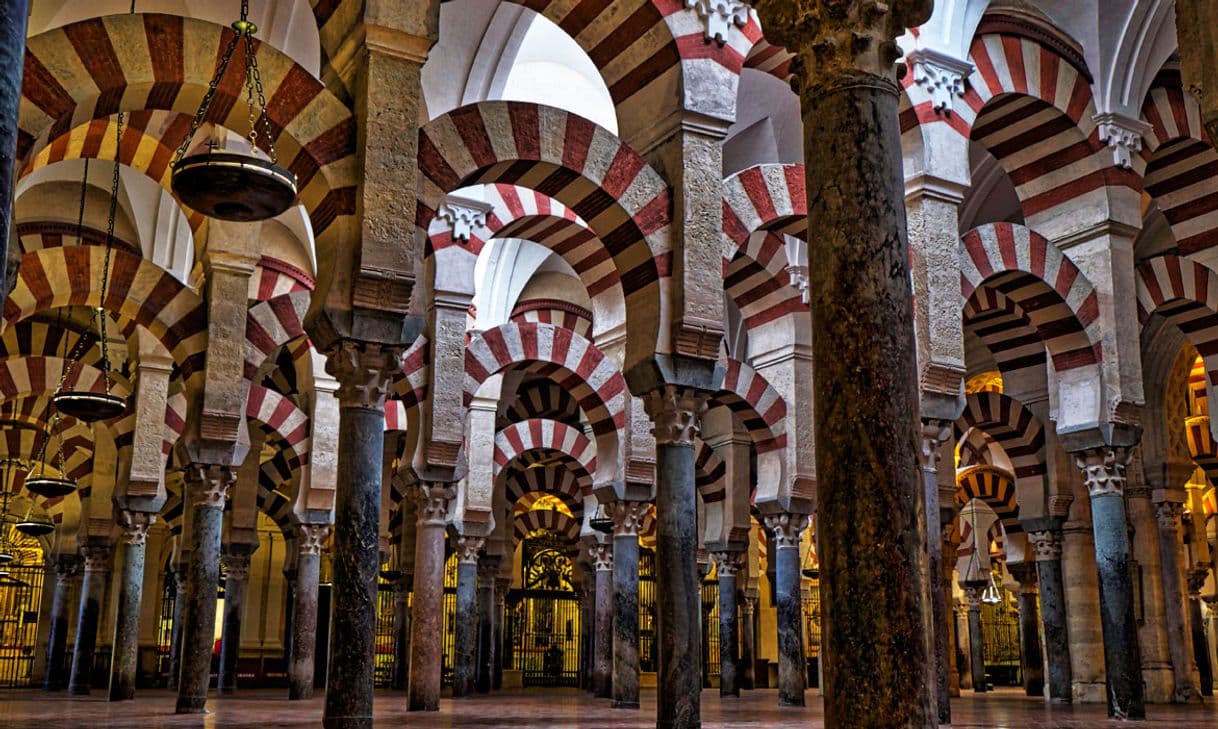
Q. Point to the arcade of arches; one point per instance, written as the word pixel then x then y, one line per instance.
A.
pixel 814 362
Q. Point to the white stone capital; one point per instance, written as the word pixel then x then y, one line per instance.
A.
pixel 720 16
pixel 1123 135
pixel 463 216
pixel 940 74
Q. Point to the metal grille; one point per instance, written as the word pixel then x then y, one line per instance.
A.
pixel 164 628
pixel 20 600
pixel 386 607
pixel 710 630
pixel 545 621
pixel 811 610
pixel 450 620
pixel 647 611
pixel 1000 633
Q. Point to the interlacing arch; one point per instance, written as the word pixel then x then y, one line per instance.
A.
pixel 543 435
pixel 271 324
pixel 1185 293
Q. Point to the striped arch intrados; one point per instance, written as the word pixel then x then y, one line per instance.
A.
pixel 518 472
pixel 562 482
pixel 1184 293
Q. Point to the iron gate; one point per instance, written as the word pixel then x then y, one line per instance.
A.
pixel 450 620
pixel 545 622
pixel 386 634
pixel 647 611
pixel 710 630
pixel 20 599
pixel 164 628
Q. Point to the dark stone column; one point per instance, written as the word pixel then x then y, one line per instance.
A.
pixel 1104 472
pixel 65 568
pixel 466 639
pixel 870 524
pixel 126 653
pixel 401 633
pixel 175 635
pixel 934 433
pixel 948 627
pixel 363 371
pixel 792 664
pixel 602 661
pixel 502 585
pixel 237 569
pixel 92 592
pixel 728 564
pixel 1201 646
pixel 14 17
pixel 289 606
pixel 1032 664
pixel 208 486
pixel 302 666
pixel 488 653
pixel 627 518
pixel 1047 546
pixel 1167 515
pixel 976 638
pixel 748 636
pixel 676 412
pixel 427 618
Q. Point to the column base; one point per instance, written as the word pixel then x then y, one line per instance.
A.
pixel 413 706
pixel 347 722
pixel 1159 684
pixel 1089 693
pixel 78 690
pixel 122 695
pixel 226 692
pixel 796 703
pixel 191 705
pixel 624 704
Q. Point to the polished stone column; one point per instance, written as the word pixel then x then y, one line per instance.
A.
pixel 1032 664
pixel 627 518
pixel 488 651
pixel 401 632
pixel 792 663
pixel 502 585
pixel 65 568
pixel 727 565
pixel 1201 646
pixel 88 617
pixel 363 372
pixel 934 434
pixel 1047 548
pixel 676 413
pixel 302 666
pixel 748 642
pixel 175 634
pixel 236 565
pixel 1104 473
pixel 208 485
pixel 289 607
pixel 1179 640
pixel 602 644
pixel 427 618
pixel 976 639
pixel 466 640
pixel 126 652
pixel 14 17
pixel 870 523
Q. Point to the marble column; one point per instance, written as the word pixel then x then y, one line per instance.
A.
pixel 466 638
pixel 934 434
pixel 1080 581
pixel 870 523
pixel 401 632
pixel 236 565
pixel 602 644
pixel 1201 645
pixel 363 371
pixel 948 626
pixel 1179 640
pixel 1047 548
pixel 488 652
pixel 976 638
pixel 1158 679
pixel 14 18
pixel 289 607
pixel 125 660
pixel 676 412
pixel 502 585
pixel 208 485
pixel 302 666
pixel 1104 473
pixel 88 616
pixel 627 518
pixel 792 664
pixel 748 643
pixel 727 564
pixel 65 568
pixel 964 660
pixel 427 624
pixel 1032 664
pixel 175 633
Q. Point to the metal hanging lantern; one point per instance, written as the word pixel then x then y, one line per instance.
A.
pixel 35 526
pixel 601 521
pixel 990 596
pixel 232 185
pixel 41 483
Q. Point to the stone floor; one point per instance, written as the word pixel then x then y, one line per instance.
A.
pixel 539 709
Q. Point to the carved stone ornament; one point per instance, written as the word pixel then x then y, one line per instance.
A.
pixel 676 413
pixel 934 434
pixel 363 371
pixel 787 528
pixel 236 566
pixel 468 548
pixel 1103 470
pixel 1168 514
pixel 96 556
pixel 797 277
pixel 972 596
pixel 210 483
pixel 1123 135
pixel 65 566
pixel 720 16
pixel 462 218
pixel 728 563
pixel 1046 545
pixel 940 75
pixel 135 525
pixel 627 517
pixel 310 537
pixel 1196 579
pixel 602 557
pixel 433 500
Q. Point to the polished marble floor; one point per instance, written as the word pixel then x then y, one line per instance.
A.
pixel 539 709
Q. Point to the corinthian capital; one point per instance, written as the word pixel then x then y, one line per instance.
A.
pixel 786 528
pixel 135 525
pixel 728 563
pixel 310 537
pixel 677 414
pixel 96 556
pixel 210 483
pixel 602 557
pixel 363 371
pixel 835 37
pixel 468 548
pixel 1104 470
pixel 627 517
pixel 934 434
pixel 433 499
pixel 1046 545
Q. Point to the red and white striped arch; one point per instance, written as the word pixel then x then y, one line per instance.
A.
pixel 993 486
pixel 36 235
pixel 1185 293
pixel 1017 431
pixel 271 324
pixel 1181 167
pixel 527 522
pixel 279 415
pixel 273 278
pixel 560 313
pixel 543 435
pixel 22 377
pixel 542 398
pixel 710 474
pixel 561 482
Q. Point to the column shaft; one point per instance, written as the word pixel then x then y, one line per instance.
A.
pixel 728 642
pixel 1201 647
pixel 235 584
pixel 976 642
pixel 1175 595
pixel 302 667
pixel 602 644
pixel 175 633
pixel 1122 655
pixel 466 639
pixel 427 623
pixel 88 617
pixel 488 652
pixel 1053 619
pixel 628 516
pixel 679 602
pixel 1033 665
pixel 14 17
pixel 210 484
pixel 126 651
pixel 56 677
pixel 934 433
pixel 748 652
pixel 792 663
pixel 401 634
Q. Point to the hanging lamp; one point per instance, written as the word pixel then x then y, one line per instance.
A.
pixel 85 405
pixel 601 521
pixel 235 185
pixel 41 483
pixel 990 596
pixel 7 553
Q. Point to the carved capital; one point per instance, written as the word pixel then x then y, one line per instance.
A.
pixel 627 517
pixel 747 606
pixel 96 557
pixel 797 277
pixel 676 413
pixel 468 548
pixel 1059 505
pixel 65 566
pixel 135 525
pixel 310 537
pixel 1123 135
pixel 972 595
pixel 1103 470
pixel 940 75
pixel 210 483
pixel 433 500
pixel 720 16
pixel 1046 545
pixel 786 528
pixel 727 562
pixel 236 566
pixel 463 217
pixel 602 557
pixel 1168 514
pixel 1196 579
pixel 363 371
pixel 934 434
